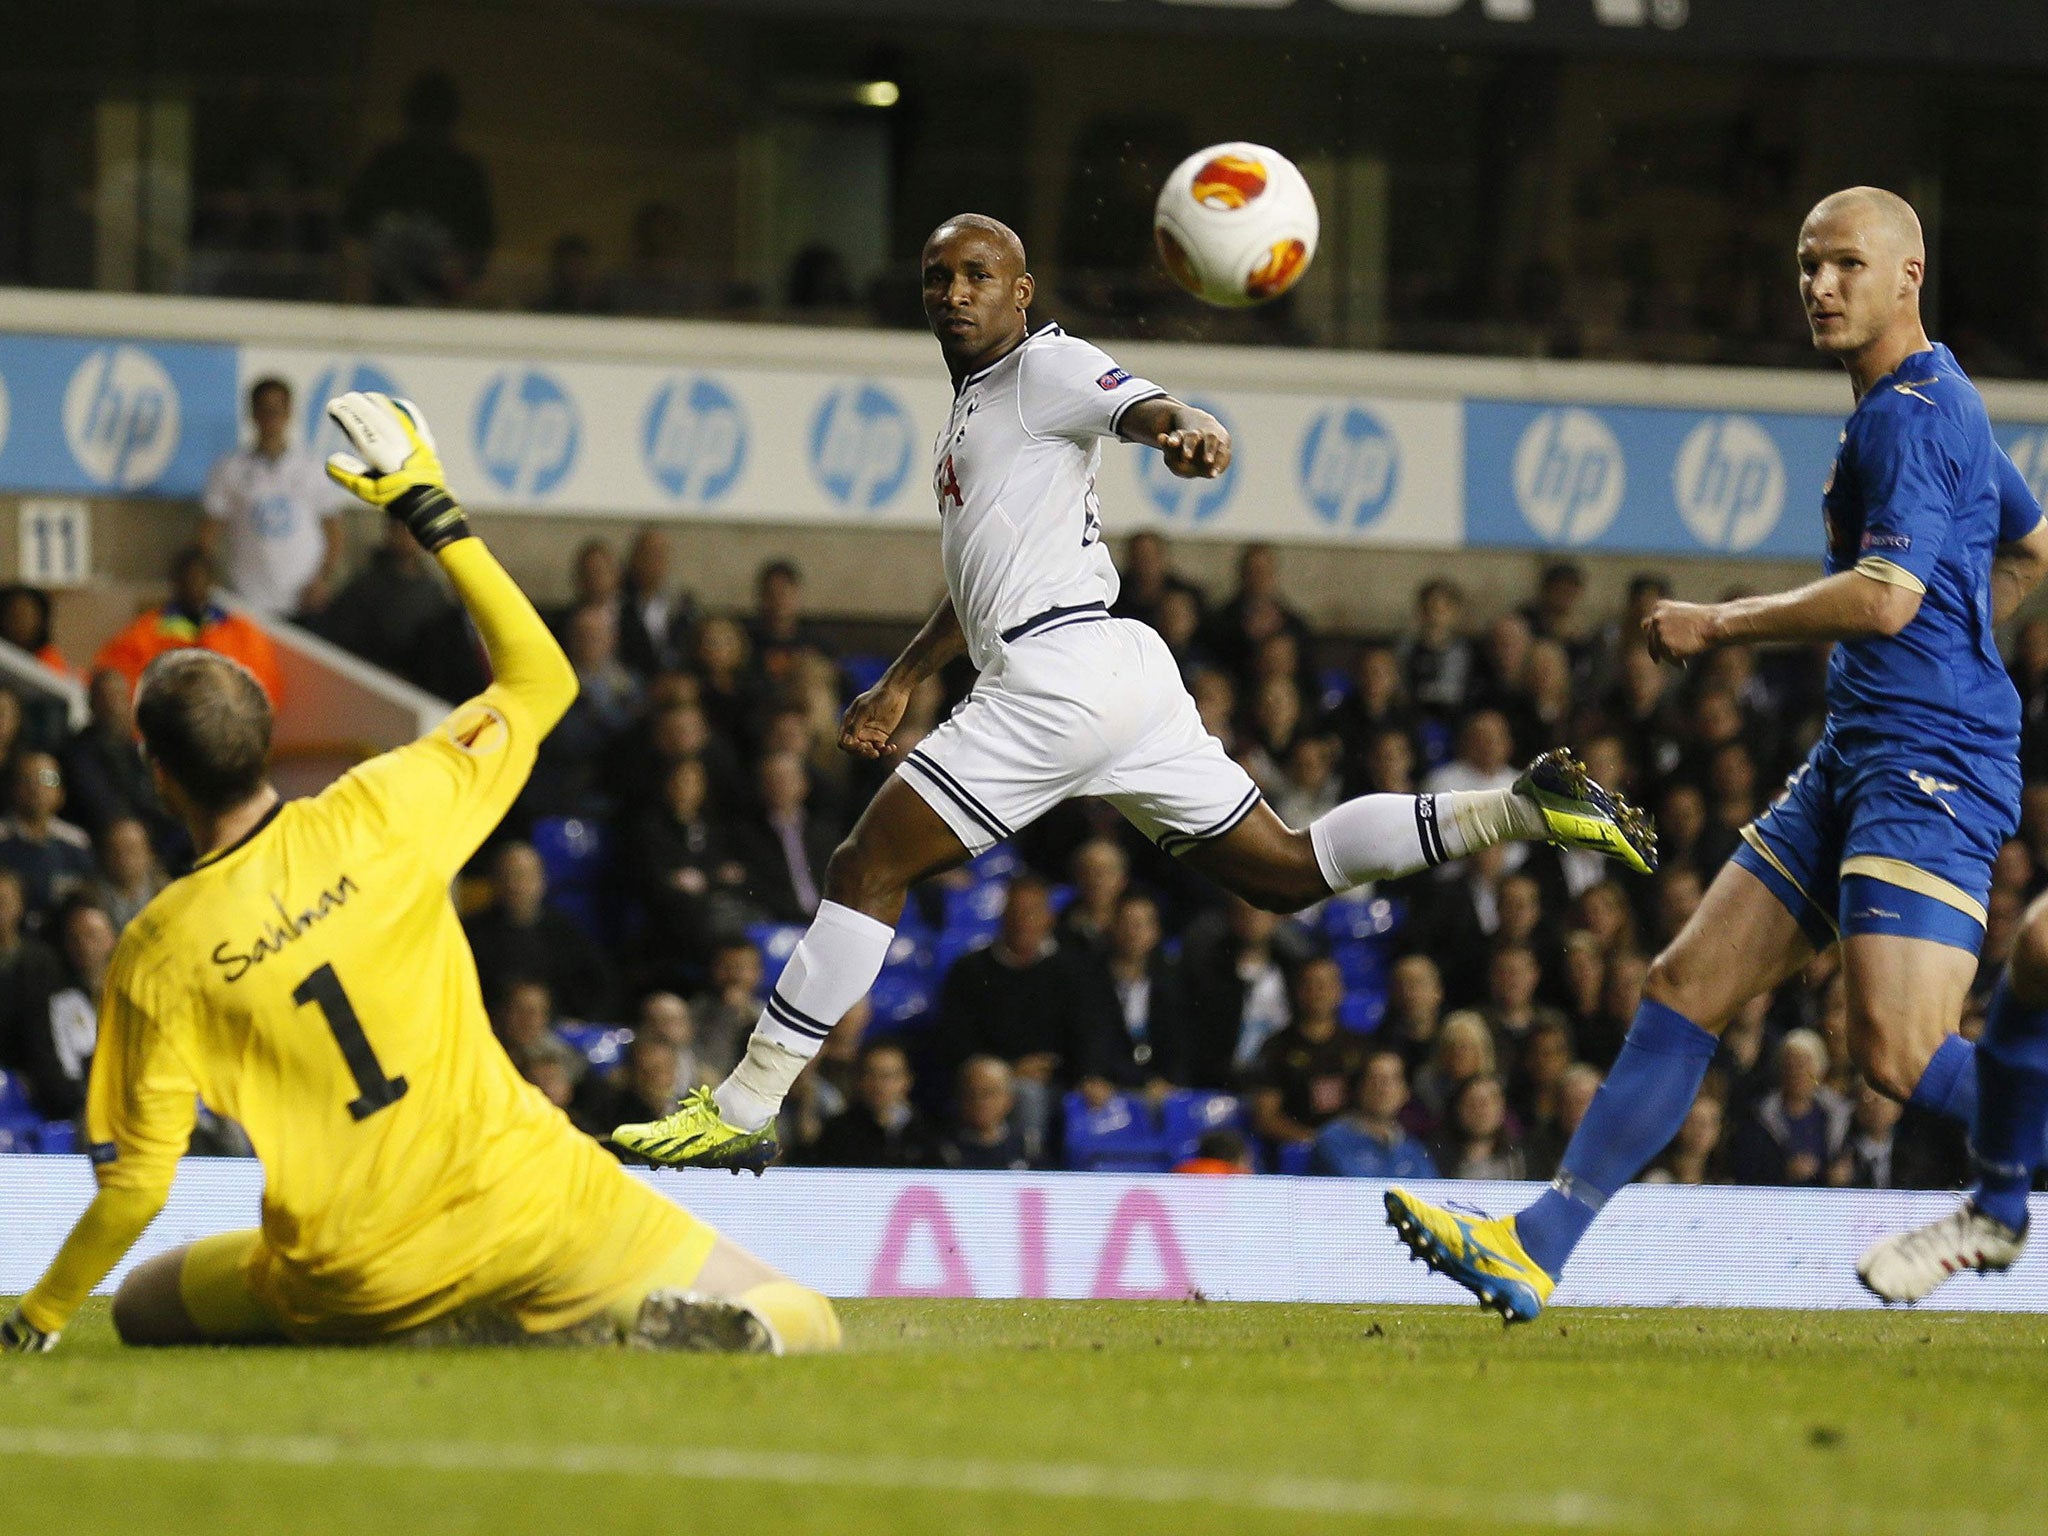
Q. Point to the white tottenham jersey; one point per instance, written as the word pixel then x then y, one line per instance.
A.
pixel 1014 473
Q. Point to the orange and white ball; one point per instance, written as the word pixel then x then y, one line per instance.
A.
pixel 1236 224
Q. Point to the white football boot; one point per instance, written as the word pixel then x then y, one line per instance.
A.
pixel 1909 1266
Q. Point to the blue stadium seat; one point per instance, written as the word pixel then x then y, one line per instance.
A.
pixel 1293 1157
pixel 600 1044
pixel 902 995
pixel 1356 917
pixel 16 1112
pixel 1117 1138
pixel 57 1136
pixel 999 863
pixel 18 1137
pixel 955 942
pixel 974 909
pixel 575 853
pixel 1189 1114
pixel 863 672
pixel 776 941
pixel 1335 686
pixel 1435 738
pixel 1362 1010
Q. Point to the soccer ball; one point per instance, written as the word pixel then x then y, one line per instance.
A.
pixel 1236 224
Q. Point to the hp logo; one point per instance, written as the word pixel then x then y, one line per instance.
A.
pixel 323 436
pixel 1729 483
pixel 1350 466
pixel 1569 476
pixel 860 446
pixel 121 416
pixel 526 432
pixel 1188 501
pixel 694 439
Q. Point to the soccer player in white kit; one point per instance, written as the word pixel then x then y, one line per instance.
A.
pixel 1069 701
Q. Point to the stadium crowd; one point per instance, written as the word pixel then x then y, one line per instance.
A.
pixel 1075 998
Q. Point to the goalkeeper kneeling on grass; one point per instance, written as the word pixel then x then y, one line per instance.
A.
pixel 309 980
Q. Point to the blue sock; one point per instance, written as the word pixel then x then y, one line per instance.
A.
pixel 2009 1138
pixel 1949 1085
pixel 1633 1117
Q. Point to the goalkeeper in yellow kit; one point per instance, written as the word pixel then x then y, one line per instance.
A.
pixel 309 980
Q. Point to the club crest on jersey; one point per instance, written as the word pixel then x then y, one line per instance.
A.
pixel 946 485
pixel 1116 378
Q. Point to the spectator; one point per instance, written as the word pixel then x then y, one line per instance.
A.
pixel 1143 1041
pixel 1147 577
pixel 556 1068
pixel 396 614
pixel 779 633
pixel 419 219
pixel 52 857
pixel 1482 761
pixel 106 777
pixel 643 1089
pixel 1511 1010
pixel 569 776
pixel 1023 1000
pixel 985 1133
pixel 1307 787
pixel 1552 1135
pixel 1102 876
pixel 1415 1002
pixel 25 625
pixel 1220 1153
pixel 26 968
pixel 12 737
pixel 825 1087
pixel 1800 1128
pixel 595 581
pixel 1437 664
pixel 665 1016
pixel 1621 994
pixel 1237 990
pixel 190 617
pixel 786 849
pixel 1255 611
pixel 1179 621
pixel 63 1014
pixel 1376 704
pixel 1303 1074
pixel 1477 1142
pixel 279 514
pixel 1541 1061
pixel 517 937
pixel 1866 1161
pixel 1370 1141
pixel 655 619
pixel 1555 614
pixel 571 286
pixel 1464 1050
pixel 130 876
pixel 881 1128
pixel 656 278
pixel 524 1018
pixel 684 872
pixel 726 1012
pixel 729 688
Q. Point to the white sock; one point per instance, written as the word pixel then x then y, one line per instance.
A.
pixel 831 969
pixel 1382 837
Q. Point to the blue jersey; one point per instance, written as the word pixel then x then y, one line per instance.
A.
pixel 1921 496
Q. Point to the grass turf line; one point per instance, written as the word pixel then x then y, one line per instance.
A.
pixel 1040 1417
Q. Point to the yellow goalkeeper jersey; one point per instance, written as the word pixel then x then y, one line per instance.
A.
pixel 312 983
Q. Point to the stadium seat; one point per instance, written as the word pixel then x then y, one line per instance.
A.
pixel 1117 1138
pixel 1189 1114
pixel 1334 684
pixel 16 1112
pixel 56 1137
pixel 1362 1010
pixel 600 1044
pixel 999 863
pixel 1292 1157
pixel 863 672
pixel 574 851
pixel 902 994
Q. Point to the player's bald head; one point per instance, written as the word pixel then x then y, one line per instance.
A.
pixel 1872 216
pixel 993 232
pixel 206 722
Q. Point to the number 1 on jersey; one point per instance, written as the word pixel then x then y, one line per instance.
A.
pixel 323 990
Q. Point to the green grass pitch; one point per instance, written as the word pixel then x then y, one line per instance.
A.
pixel 984 1418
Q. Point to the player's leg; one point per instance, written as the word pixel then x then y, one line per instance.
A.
pixel 1905 999
pixel 725 1300
pixel 899 840
pixel 2008 1139
pixel 1382 837
pixel 195 1294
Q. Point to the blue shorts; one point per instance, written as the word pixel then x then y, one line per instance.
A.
pixel 1891 837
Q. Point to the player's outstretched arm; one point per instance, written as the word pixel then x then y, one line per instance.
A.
pixel 1847 606
pixel 871 719
pixel 397 467
pixel 1195 445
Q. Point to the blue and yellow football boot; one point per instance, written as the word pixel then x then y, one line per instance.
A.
pixel 697 1136
pixel 1580 814
pixel 1482 1254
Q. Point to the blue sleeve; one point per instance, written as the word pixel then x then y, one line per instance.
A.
pixel 2019 513
pixel 1911 483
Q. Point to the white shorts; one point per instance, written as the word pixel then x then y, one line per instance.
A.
pixel 1090 706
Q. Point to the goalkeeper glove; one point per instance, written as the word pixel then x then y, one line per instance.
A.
pixel 19 1336
pixel 395 466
